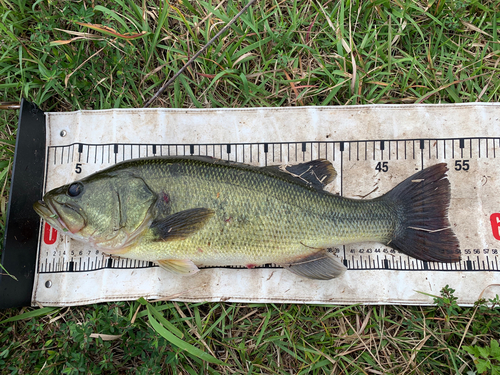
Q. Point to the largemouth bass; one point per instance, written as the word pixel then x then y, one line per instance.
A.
pixel 187 212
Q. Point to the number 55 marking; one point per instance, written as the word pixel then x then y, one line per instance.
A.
pixel 462 165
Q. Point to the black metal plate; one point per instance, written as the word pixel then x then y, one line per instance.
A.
pixel 22 228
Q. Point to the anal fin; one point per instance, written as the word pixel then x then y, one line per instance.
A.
pixel 320 265
pixel 179 266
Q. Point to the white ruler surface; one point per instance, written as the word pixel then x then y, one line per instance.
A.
pixel 372 148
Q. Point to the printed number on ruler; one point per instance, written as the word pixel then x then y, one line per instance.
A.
pixel 49 234
pixel 462 165
pixel 495 225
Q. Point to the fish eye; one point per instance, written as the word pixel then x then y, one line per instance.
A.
pixel 75 189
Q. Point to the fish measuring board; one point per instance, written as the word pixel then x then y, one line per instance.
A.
pixel 366 169
pixel 373 148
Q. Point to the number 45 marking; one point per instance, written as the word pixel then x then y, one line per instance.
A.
pixel 382 166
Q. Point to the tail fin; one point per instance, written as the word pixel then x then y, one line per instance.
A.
pixel 423 229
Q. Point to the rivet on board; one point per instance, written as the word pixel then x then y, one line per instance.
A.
pixel 48 284
pixel 63 133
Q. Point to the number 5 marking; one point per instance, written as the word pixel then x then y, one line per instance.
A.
pixel 495 225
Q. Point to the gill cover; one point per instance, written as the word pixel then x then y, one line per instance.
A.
pixel 130 213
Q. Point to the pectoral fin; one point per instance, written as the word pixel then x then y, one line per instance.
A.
pixel 182 224
pixel 179 266
pixel 320 265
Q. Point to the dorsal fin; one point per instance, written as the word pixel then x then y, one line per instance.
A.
pixel 316 173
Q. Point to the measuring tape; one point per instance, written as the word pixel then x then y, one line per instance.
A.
pixel 366 169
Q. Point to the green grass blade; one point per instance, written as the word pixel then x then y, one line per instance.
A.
pixel 112 14
pixel 182 344
pixel 31 314
pixel 7 272
pixel 165 322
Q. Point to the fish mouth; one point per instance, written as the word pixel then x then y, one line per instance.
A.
pixel 49 211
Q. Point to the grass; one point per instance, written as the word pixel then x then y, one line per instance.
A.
pixel 257 338
pixel 282 53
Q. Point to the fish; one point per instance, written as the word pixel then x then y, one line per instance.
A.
pixel 184 213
